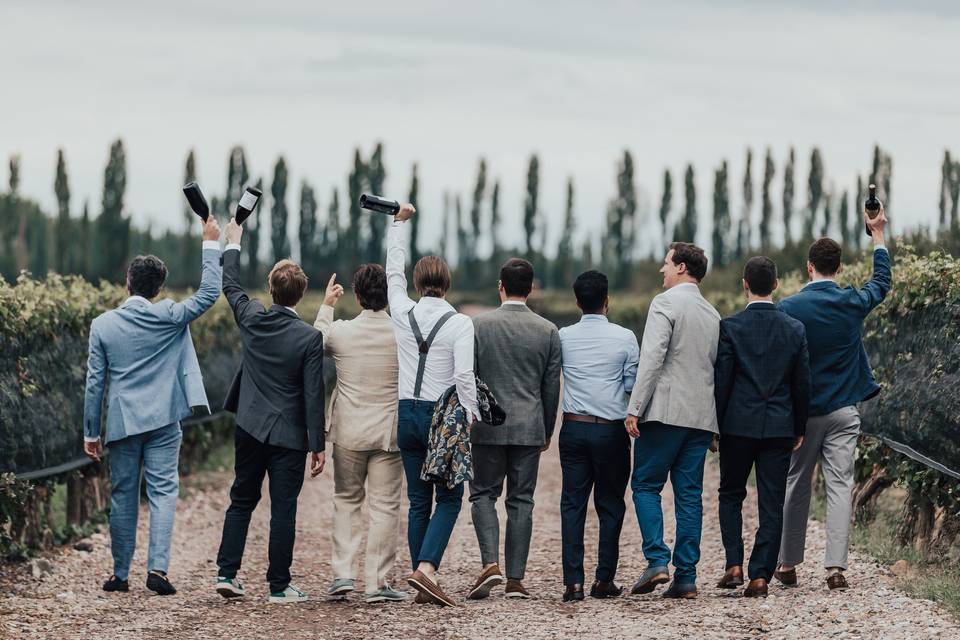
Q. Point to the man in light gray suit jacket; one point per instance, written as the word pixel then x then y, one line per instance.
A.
pixel 674 404
pixel 518 355
pixel 142 352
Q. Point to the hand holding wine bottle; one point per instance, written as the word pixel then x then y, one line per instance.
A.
pixel 875 220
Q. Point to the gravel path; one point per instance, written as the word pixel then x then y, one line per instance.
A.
pixel 68 602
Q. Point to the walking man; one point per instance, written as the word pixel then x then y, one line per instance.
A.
pixel 673 417
pixel 841 377
pixel 518 355
pixel 763 396
pixel 434 351
pixel 278 398
pixel 363 429
pixel 599 370
pixel 142 352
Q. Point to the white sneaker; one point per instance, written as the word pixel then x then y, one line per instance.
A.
pixel 290 594
pixel 229 587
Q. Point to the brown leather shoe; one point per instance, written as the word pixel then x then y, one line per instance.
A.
pixel 756 589
pixel 732 579
pixel 430 589
pixel 514 589
pixel 489 579
pixel 786 578
pixel 605 590
pixel 573 593
pixel 422 599
pixel 837 582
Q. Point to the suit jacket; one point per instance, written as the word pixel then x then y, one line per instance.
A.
pixel 144 351
pixel 675 376
pixel 363 408
pixel 762 374
pixel 518 356
pixel 833 317
pixel 278 392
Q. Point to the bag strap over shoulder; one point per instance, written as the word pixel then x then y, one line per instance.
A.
pixel 424 345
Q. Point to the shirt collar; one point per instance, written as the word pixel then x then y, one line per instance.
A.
pixel 518 303
pixel 686 284
pixel 594 317
pixel 759 302
pixel 135 299
pixel 370 313
pixel 820 282
pixel 294 311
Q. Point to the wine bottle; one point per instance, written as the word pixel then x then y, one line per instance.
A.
pixel 248 202
pixel 197 202
pixel 381 205
pixel 872 206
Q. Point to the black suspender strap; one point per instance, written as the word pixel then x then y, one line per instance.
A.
pixel 424 345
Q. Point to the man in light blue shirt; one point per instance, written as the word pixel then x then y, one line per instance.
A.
pixel 599 370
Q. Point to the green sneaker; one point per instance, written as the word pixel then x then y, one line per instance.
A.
pixel 386 594
pixel 340 588
pixel 229 587
pixel 290 594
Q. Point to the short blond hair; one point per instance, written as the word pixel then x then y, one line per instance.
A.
pixel 286 283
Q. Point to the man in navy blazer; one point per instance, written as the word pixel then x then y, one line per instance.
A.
pixel 142 358
pixel 841 377
pixel 762 389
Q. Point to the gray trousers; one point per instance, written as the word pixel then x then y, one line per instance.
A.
pixel 492 464
pixel 831 440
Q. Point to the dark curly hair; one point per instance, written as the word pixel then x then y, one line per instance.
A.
pixel 370 286
pixel 145 276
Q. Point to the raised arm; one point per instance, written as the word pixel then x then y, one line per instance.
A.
pixel 873 293
pixel 723 372
pixel 324 322
pixel 239 301
pixel 96 382
pixel 656 339
pixel 397 243
pixel 313 394
pixel 205 297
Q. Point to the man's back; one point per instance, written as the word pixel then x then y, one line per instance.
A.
pixel 762 374
pixel 518 356
pixel 599 367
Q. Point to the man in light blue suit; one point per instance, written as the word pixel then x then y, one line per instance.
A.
pixel 142 356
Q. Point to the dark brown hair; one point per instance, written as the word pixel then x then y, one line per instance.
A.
pixel 516 275
pixel 145 276
pixel 692 256
pixel 431 277
pixel 370 285
pixel 760 272
pixel 825 255
pixel 287 282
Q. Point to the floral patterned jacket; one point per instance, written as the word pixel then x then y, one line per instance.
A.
pixel 449 459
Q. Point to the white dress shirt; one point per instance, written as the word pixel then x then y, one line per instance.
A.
pixel 451 354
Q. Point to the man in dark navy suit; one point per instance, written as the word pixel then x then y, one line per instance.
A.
pixel 762 388
pixel 841 377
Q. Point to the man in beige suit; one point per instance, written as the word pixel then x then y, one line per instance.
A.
pixel 673 417
pixel 363 429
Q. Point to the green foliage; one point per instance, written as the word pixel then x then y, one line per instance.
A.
pixel 788 198
pixel 721 218
pixel 376 175
pixel 279 241
pixel 766 210
pixel 310 256
pixel 113 228
pixel 531 204
pixel 665 203
pixel 686 230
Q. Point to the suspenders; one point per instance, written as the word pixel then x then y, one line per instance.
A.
pixel 424 345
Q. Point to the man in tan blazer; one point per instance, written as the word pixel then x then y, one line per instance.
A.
pixel 363 429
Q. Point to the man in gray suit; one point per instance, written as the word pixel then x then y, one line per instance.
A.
pixel 518 355
pixel 673 416
pixel 144 351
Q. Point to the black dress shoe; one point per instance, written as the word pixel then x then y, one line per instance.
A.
pixel 158 583
pixel 573 592
pixel 605 590
pixel 116 584
pixel 681 591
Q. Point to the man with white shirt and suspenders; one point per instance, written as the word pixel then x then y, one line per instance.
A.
pixel 434 349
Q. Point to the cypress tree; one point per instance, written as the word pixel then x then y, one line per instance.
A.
pixel 626 212
pixel 530 204
pixel 470 251
pixel 665 203
pixel 64 250
pixel 376 176
pixel 946 177
pixel 237 177
pixel 415 221
pixel 844 220
pixel 827 214
pixel 814 192
pixel 445 230
pixel 189 251
pixel 352 255
pixel 766 212
pixel 744 225
pixel 788 198
pixel 253 225
pixel 307 231
pixel 859 199
pixel 721 217
pixel 84 243
pixel 955 196
pixel 113 229
pixel 564 264
pixel 495 221
pixel 20 244
pixel 687 227
pixel 330 242
pixel 461 237
pixel 278 213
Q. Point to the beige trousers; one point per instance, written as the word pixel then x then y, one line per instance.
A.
pixel 382 473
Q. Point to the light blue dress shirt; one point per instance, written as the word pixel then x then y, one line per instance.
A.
pixel 599 367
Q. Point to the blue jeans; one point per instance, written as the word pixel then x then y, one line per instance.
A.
pixel 156 453
pixel 427 534
pixel 660 450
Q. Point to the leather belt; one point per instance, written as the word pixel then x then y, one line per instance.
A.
pixel 574 417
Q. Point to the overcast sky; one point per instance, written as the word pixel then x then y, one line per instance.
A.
pixel 444 83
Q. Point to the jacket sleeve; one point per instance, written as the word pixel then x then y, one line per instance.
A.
pixel 656 339
pixel 800 387
pixel 873 293
pixel 313 394
pixel 96 381
pixel 206 296
pixel 550 385
pixel 723 372
pixel 325 323
pixel 239 301
pixel 400 302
